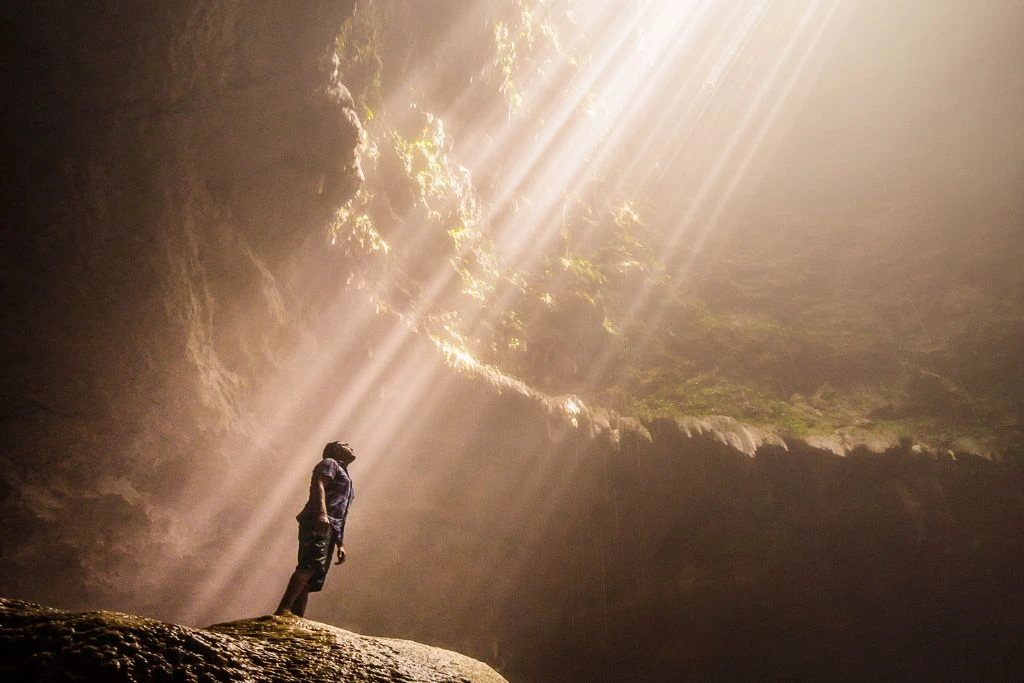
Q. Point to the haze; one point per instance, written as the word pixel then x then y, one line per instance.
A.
pixel 567 228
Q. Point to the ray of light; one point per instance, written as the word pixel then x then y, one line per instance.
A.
pixel 541 169
pixel 754 118
pixel 547 168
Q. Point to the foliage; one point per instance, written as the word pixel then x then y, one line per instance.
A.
pixel 357 50
pixel 766 322
pixel 524 42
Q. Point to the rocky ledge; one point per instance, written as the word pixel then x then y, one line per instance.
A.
pixel 44 644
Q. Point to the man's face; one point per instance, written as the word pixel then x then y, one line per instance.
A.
pixel 343 454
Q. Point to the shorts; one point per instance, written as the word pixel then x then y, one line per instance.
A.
pixel 315 550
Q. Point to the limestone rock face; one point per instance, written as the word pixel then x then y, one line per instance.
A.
pixel 178 164
pixel 39 643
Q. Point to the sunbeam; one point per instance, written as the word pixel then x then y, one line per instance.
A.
pixel 638 340
pixel 616 62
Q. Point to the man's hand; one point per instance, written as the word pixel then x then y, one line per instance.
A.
pixel 323 523
pixel 341 554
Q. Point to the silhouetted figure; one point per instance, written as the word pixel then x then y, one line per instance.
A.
pixel 321 527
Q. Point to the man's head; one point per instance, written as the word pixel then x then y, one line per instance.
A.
pixel 339 451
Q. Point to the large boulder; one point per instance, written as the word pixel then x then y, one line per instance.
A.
pixel 44 644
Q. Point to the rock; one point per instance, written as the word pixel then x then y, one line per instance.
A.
pixel 40 643
pixel 178 167
pixel 731 432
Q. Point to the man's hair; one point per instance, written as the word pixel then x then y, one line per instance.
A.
pixel 339 451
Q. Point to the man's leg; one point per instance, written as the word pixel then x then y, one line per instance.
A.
pixel 297 586
pixel 316 581
pixel 299 606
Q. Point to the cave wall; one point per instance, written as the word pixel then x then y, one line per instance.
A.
pixel 172 163
pixel 556 556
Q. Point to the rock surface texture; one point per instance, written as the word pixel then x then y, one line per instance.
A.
pixel 43 644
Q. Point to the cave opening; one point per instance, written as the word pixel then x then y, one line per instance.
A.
pixel 677 339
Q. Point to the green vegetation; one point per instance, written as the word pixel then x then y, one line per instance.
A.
pixel 809 324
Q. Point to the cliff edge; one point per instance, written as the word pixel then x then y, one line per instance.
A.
pixel 43 644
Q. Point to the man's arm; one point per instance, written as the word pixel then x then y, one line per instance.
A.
pixel 347 481
pixel 318 496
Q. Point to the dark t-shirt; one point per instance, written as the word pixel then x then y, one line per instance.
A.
pixel 338 493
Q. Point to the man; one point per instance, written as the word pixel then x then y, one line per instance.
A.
pixel 321 527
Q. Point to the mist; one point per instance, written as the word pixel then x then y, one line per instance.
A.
pixel 662 330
